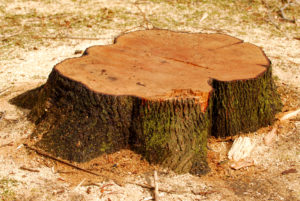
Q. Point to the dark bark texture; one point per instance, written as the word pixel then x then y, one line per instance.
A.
pixel 78 125
pixel 244 105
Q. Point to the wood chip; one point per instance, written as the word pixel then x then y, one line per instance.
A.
pixel 290 115
pixel 78 52
pixel 205 15
pixel 241 148
pixel 76 188
pixel 20 146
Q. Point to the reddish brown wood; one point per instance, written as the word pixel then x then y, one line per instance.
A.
pixel 158 64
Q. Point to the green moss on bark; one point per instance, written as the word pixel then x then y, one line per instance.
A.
pixel 244 105
pixel 172 133
pixel 79 124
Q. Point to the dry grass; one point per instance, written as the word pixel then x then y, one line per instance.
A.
pixel 35 35
pixel 7 192
pixel 29 24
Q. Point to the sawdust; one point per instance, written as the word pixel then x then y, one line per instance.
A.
pixel 27 68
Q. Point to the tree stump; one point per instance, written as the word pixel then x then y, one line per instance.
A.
pixel 158 92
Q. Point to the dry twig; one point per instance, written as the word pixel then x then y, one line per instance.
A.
pixel 130 29
pixel 61 161
pixel 269 137
pixel 12 35
pixel 146 21
pixel 76 188
pixel 116 179
pixel 269 15
pixel 289 3
pixel 28 169
pixel 4 90
pixel 91 184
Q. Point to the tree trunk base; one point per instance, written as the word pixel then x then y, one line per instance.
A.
pixel 78 122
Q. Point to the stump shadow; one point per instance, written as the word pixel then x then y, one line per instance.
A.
pixel 28 99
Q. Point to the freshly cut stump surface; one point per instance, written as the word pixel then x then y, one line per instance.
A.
pixel 158 92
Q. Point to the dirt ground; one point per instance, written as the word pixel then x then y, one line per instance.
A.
pixel 36 35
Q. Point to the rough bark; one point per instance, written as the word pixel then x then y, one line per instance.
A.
pixel 243 106
pixel 78 119
pixel 78 124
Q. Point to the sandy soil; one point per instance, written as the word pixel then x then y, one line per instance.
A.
pixel 26 175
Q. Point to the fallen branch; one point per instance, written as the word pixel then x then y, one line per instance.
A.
pixel 61 161
pixel 116 179
pixel 28 169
